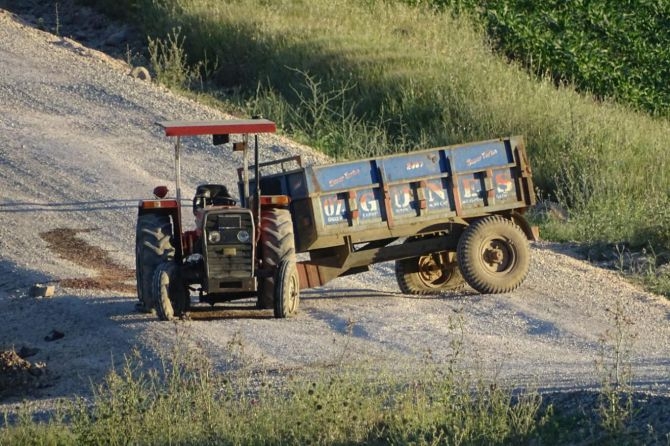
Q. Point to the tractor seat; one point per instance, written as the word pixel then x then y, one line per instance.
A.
pixel 212 195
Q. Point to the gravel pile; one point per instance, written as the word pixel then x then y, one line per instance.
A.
pixel 79 149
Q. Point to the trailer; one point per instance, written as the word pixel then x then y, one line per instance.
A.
pixel 446 216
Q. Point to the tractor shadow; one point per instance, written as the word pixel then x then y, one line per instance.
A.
pixel 238 310
pixel 362 293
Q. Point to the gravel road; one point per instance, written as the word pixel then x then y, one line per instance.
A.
pixel 79 147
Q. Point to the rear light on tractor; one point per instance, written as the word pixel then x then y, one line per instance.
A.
pixel 156 204
pixel 160 191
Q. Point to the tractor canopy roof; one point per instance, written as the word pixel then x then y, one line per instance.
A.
pixel 221 127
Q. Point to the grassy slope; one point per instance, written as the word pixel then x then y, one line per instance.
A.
pixel 387 77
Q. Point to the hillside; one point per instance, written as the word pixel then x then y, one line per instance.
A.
pixel 80 148
pixel 358 79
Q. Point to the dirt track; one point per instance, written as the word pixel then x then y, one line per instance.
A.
pixel 79 148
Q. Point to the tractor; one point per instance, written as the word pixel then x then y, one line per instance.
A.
pixel 234 252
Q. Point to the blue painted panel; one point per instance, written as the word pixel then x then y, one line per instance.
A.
pixel 413 165
pixel 344 176
pixel 481 156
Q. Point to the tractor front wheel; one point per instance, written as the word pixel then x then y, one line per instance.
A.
pixel 287 290
pixel 169 291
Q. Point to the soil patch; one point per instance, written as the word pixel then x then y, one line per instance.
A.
pixel 111 276
pixel 18 375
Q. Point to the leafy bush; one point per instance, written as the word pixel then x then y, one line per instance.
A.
pixel 608 48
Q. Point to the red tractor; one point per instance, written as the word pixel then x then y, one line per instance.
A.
pixel 234 252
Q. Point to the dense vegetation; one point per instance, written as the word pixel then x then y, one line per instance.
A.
pixel 608 48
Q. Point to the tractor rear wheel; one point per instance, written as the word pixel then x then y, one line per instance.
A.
pixel 428 274
pixel 169 291
pixel 287 290
pixel 277 244
pixel 153 245
pixel 494 255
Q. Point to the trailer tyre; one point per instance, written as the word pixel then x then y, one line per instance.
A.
pixel 427 275
pixel 277 244
pixel 287 291
pixel 169 291
pixel 494 255
pixel 153 245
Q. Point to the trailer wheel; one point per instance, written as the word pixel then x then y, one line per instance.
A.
pixel 287 290
pixel 494 255
pixel 153 245
pixel 169 291
pixel 427 275
pixel 277 244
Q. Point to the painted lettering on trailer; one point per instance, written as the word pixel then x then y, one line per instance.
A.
pixel 402 199
pixel 436 196
pixel 482 156
pixel 342 178
pixel 368 204
pixel 413 165
pixel 333 209
pixel 471 190
pixel 504 185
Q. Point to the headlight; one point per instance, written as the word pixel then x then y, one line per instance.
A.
pixel 214 237
pixel 243 236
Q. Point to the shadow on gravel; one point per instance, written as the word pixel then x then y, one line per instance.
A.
pixel 343 293
pixel 218 312
pixel 649 421
pixel 74 340
pixel 337 323
pixel 16 280
pixel 360 293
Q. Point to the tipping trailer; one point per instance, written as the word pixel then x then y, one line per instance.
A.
pixel 447 216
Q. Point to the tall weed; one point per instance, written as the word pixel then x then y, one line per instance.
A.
pixel 185 402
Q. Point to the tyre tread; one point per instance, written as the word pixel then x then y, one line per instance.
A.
pixel 474 276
